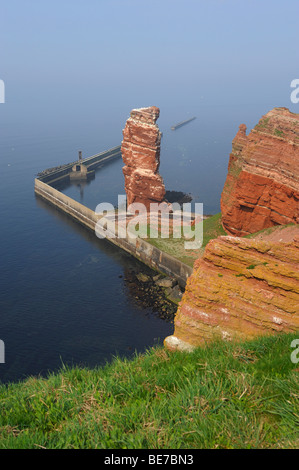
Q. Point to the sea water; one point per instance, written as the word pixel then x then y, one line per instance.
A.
pixel 64 295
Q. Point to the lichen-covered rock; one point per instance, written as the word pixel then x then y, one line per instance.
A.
pixel 141 156
pixel 240 288
pixel 262 185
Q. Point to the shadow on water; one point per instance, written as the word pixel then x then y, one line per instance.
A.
pixel 114 252
pixel 66 183
pixel 78 302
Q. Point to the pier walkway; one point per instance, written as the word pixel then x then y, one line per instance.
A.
pixel 52 175
pixel 137 247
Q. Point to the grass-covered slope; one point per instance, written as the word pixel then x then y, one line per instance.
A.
pixel 212 228
pixel 223 396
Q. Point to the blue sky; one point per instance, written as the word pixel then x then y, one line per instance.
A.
pixel 70 54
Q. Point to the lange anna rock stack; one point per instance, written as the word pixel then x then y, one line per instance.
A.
pixel 141 155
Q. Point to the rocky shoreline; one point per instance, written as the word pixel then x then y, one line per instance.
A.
pixel 157 292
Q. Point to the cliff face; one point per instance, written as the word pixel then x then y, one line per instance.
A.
pixel 141 155
pixel 240 288
pixel 262 185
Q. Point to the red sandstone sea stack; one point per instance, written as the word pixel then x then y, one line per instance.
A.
pixel 141 155
pixel 262 185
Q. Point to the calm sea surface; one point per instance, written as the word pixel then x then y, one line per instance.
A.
pixel 64 298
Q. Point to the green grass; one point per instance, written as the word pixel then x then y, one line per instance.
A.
pixel 262 124
pixel 268 231
pixel 278 133
pixel 212 228
pixel 227 395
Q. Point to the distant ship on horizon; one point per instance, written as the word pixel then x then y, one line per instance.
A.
pixel 182 123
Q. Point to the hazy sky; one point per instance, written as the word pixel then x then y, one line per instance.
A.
pixel 74 55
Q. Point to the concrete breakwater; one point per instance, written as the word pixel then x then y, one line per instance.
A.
pixel 52 175
pixel 137 247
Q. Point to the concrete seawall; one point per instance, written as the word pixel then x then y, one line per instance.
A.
pixel 138 247
pixel 54 174
pixel 77 211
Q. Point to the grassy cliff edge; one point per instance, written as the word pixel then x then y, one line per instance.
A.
pixel 224 395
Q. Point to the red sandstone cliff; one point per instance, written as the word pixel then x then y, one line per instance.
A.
pixel 141 155
pixel 262 185
pixel 241 288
